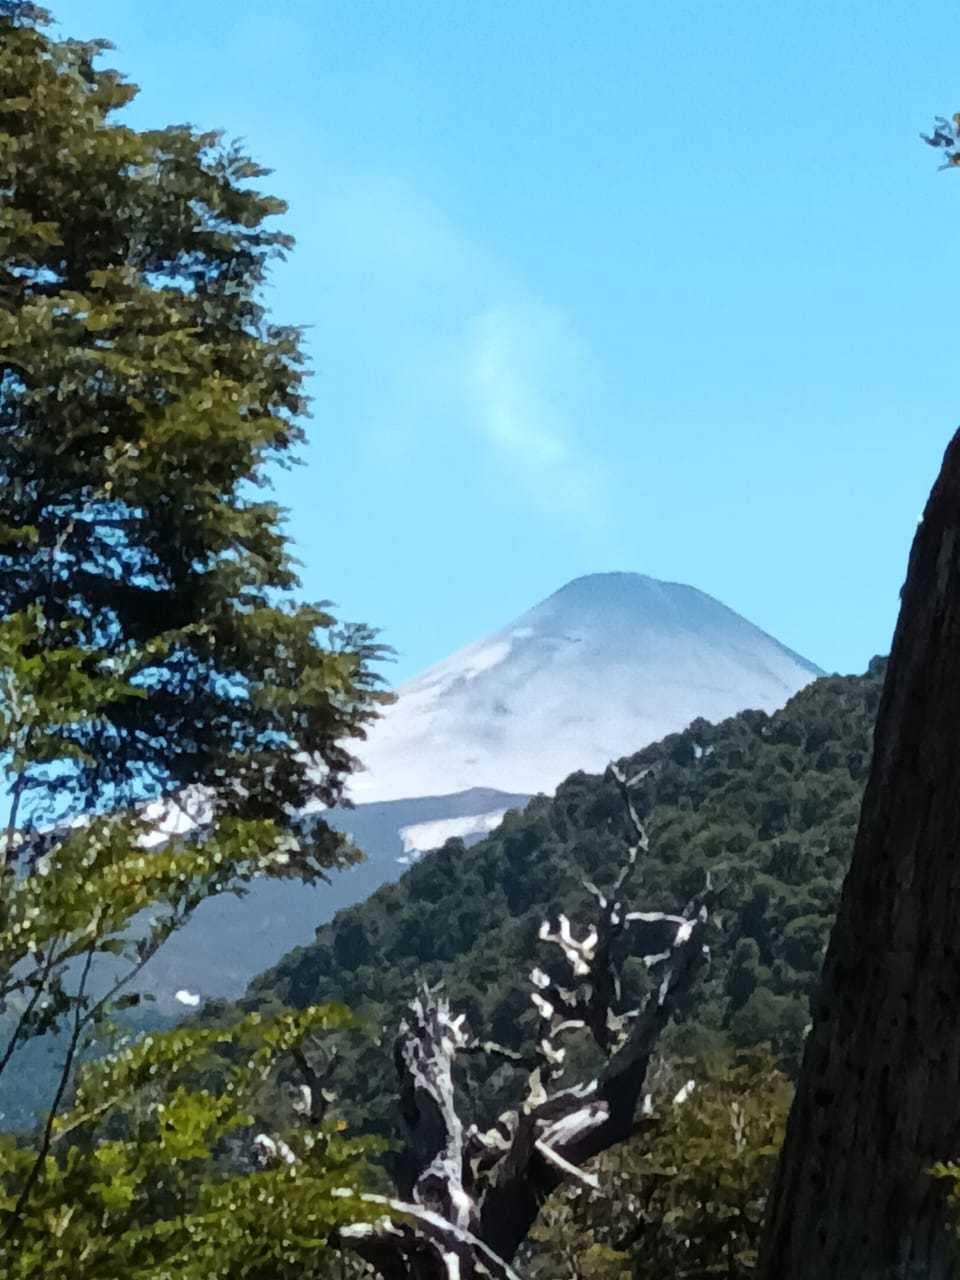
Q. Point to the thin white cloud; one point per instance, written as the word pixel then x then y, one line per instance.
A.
pixel 382 235
pixel 527 382
pixel 451 337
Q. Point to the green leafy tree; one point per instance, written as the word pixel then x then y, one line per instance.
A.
pixel 153 659
pixel 150 1174
pixel 685 1198
pixel 144 397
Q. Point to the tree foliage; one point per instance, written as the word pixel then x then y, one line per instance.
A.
pixel 946 138
pixel 155 665
pixel 150 1174
pixel 685 1198
pixel 144 396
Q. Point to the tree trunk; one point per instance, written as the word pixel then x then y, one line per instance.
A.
pixel 879 1094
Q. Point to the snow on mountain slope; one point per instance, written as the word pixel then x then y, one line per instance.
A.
pixel 420 837
pixel 607 664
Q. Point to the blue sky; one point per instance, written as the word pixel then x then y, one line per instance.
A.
pixel 661 286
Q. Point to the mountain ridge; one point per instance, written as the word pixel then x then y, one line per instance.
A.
pixel 591 645
pixel 570 667
pixel 587 578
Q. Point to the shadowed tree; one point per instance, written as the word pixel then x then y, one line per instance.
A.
pixel 878 1101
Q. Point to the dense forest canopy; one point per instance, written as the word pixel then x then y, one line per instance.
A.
pixel 768 803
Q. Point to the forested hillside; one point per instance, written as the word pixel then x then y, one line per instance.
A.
pixel 767 803
pixel 693 1015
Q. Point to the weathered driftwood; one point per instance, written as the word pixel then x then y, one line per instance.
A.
pixel 469 1199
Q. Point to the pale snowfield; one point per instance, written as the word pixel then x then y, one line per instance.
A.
pixel 606 665
pixel 420 837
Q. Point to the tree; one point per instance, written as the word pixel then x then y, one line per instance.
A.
pixel 877 1102
pixel 486 908
pixel 154 662
pixel 144 397
pixel 467 1199
pixel 153 1175
pixel 685 1198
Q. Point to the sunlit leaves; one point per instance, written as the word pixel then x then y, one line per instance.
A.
pixel 685 1198
pixel 145 397
pixel 155 1202
pixel 153 663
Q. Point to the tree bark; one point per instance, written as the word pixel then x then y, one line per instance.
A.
pixel 879 1095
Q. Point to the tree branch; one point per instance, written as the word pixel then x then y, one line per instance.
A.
pixel 27 1012
pixel 470 1198
pixel 36 1168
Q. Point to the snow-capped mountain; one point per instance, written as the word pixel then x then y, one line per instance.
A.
pixel 604 666
pixel 607 664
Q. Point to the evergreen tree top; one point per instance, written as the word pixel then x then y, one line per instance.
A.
pixel 145 400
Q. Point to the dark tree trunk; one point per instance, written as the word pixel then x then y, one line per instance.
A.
pixel 879 1094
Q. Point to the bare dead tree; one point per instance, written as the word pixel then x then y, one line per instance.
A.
pixel 470 1198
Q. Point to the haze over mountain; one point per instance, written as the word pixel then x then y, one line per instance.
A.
pixel 230 940
pixel 605 665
